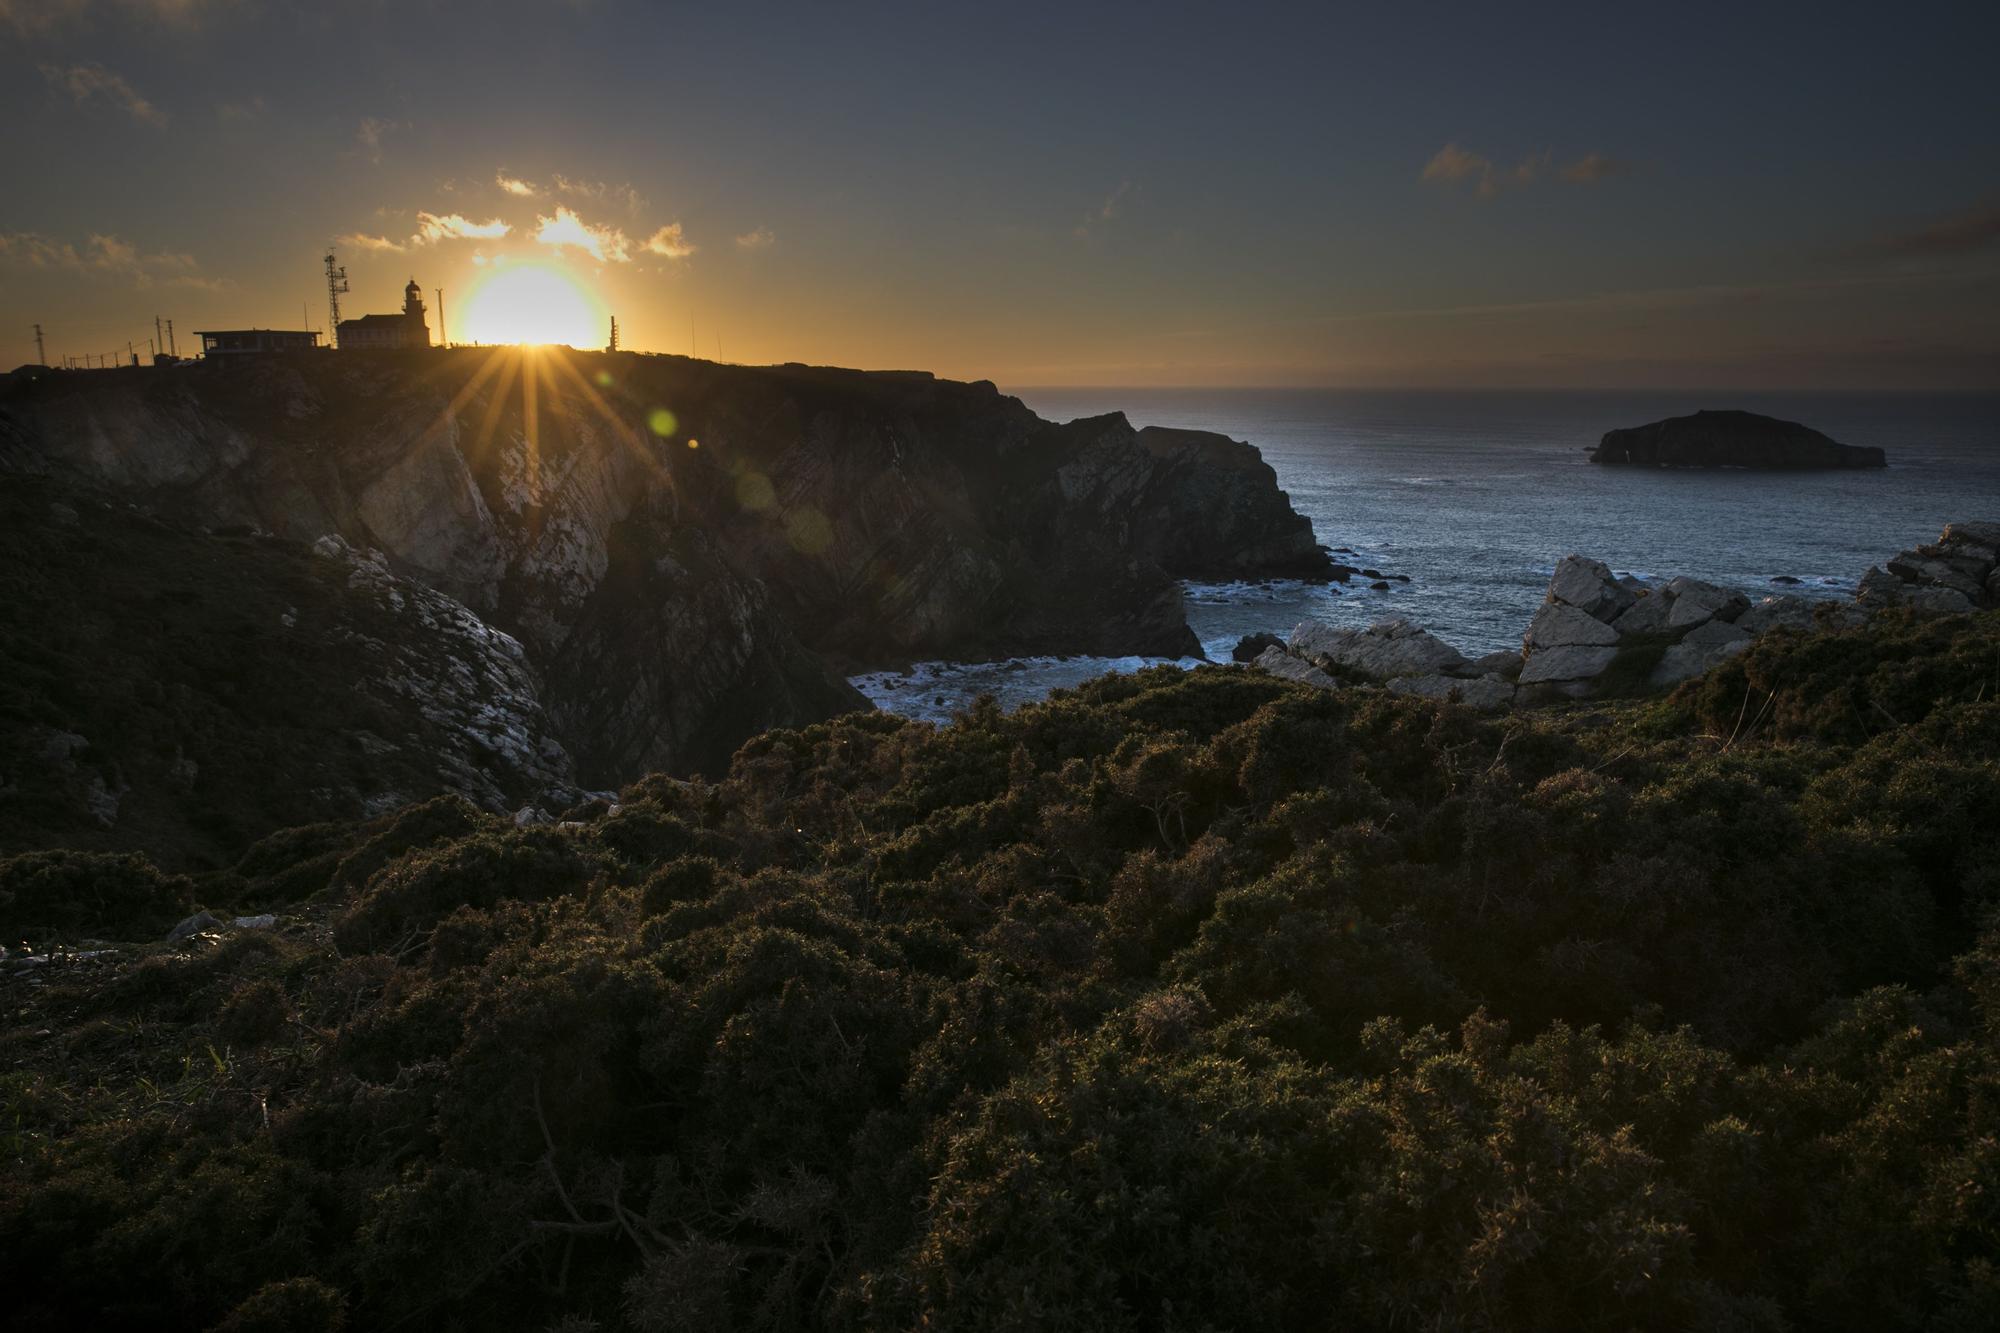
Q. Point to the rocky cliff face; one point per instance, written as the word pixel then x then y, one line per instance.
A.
pixel 187 691
pixel 688 552
pixel 1730 439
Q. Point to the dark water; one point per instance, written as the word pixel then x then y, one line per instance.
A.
pixel 1476 495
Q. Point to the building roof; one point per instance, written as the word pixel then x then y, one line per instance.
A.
pixel 289 333
pixel 376 319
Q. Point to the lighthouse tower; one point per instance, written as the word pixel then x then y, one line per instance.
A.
pixel 419 334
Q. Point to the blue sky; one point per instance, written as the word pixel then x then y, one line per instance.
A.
pixel 1776 196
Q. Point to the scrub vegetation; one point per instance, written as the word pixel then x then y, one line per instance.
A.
pixel 1179 1001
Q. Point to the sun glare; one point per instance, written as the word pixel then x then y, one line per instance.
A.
pixel 532 303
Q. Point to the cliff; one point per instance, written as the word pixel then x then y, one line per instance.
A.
pixel 687 552
pixel 1730 439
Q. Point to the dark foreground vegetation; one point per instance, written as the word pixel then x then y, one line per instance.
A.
pixel 1180 1002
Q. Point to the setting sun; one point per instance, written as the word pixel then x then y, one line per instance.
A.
pixel 532 303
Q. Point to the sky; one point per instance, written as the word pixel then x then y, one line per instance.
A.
pixel 1688 195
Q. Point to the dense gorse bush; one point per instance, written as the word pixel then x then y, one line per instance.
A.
pixel 1182 1001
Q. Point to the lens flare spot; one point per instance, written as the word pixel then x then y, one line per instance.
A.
pixel 753 491
pixel 603 379
pixel 809 531
pixel 662 422
pixel 693 443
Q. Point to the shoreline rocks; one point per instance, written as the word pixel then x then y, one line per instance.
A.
pixel 1730 439
pixel 1596 633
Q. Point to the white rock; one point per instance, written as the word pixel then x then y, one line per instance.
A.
pixel 1279 663
pixel 1488 693
pixel 1588 586
pixel 262 921
pixel 1385 650
pixel 1648 615
pixel 1560 625
pixel 1573 663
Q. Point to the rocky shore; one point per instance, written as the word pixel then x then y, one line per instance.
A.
pixel 1598 635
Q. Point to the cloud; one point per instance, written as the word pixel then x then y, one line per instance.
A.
pixel 1097 218
pixel 355 240
pixel 253 109
pixel 515 186
pixel 454 227
pixel 1453 164
pixel 1593 167
pixel 600 243
pixel 1974 229
pixel 103 255
pixel 92 82
pixel 32 17
pixel 670 242
pixel 623 196
pixel 371 132
pixel 759 238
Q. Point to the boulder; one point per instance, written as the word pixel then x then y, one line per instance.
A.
pixel 1385 650
pixel 1251 646
pixel 1915 567
pixel 1498 663
pixel 1694 602
pixel 1560 625
pixel 1648 615
pixel 1576 663
pixel 1588 586
pixel 1487 693
pixel 1785 610
pixel 1730 439
pixel 1279 663
pixel 194 925
pixel 1699 650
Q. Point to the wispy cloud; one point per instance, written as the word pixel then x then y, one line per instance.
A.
pixel 250 109
pixel 566 229
pixel 514 185
pixel 102 255
pixel 670 242
pixel 1967 232
pixel 1453 165
pixel 1098 218
pixel 432 228
pixel 1594 167
pixel 368 136
pixel 355 240
pixel 34 17
pixel 94 83
pixel 597 192
pixel 758 238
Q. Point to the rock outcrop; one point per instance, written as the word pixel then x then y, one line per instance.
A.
pixel 1715 439
pixel 686 552
pixel 1597 633
pixel 187 692
pixel 1955 573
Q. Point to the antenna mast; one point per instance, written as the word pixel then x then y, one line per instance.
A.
pixel 42 356
pixel 336 283
pixel 613 346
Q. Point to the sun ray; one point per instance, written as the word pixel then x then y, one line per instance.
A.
pixel 510 366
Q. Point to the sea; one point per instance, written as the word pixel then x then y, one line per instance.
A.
pixel 1473 496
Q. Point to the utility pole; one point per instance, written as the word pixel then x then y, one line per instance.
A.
pixel 159 339
pixel 173 346
pixel 41 354
pixel 442 340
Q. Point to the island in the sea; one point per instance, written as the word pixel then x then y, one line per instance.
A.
pixel 1712 439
